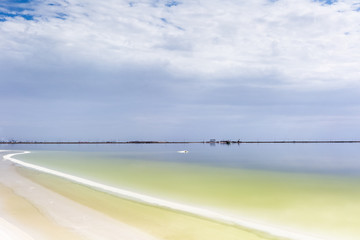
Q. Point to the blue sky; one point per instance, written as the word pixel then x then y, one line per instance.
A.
pixel 179 70
pixel 12 9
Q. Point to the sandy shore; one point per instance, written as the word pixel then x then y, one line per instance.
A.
pixel 39 213
pixel 11 232
pixel 264 228
pixel 30 211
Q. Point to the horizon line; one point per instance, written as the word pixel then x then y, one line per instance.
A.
pixel 178 142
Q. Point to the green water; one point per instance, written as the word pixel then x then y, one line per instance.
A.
pixel 311 192
pixel 160 223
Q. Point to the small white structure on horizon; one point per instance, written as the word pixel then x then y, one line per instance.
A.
pixel 183 151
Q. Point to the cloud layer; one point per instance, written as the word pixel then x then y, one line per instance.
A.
pixel 162 67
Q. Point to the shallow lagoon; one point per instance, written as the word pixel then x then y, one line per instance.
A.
pixel 313 188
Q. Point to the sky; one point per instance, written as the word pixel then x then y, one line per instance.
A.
pixel 177 70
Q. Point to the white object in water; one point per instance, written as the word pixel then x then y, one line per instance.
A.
pixel 183 151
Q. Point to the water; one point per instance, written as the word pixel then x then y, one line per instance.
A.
pixel 318 158
pixel 313 188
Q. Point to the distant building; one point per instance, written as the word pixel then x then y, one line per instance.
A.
pixel 212 140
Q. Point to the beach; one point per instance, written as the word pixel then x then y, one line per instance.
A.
pixel 46 203
pixel 39 202
pixel 58 209
pixel 31 211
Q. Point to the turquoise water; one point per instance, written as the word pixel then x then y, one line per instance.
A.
pixel 308 187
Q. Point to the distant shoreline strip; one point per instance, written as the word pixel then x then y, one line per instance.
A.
pixel 153 201
pixel 174 142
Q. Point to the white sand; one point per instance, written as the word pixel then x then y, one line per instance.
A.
pixel 11 232
pixel 30 211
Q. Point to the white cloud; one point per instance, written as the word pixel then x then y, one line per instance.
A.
pixel 145 69
pixel 304 43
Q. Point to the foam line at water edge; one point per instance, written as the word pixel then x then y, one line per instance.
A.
pixel 201 212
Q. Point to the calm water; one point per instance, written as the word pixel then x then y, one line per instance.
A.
pixel 317 158
pixel 310 187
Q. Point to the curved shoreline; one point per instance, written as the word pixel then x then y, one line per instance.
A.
pixel 40 213
pixel 196 211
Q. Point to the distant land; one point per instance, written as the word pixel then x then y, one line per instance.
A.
pixel 212 141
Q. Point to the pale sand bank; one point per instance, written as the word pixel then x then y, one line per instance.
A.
pixel 11 232
pixel 30 211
